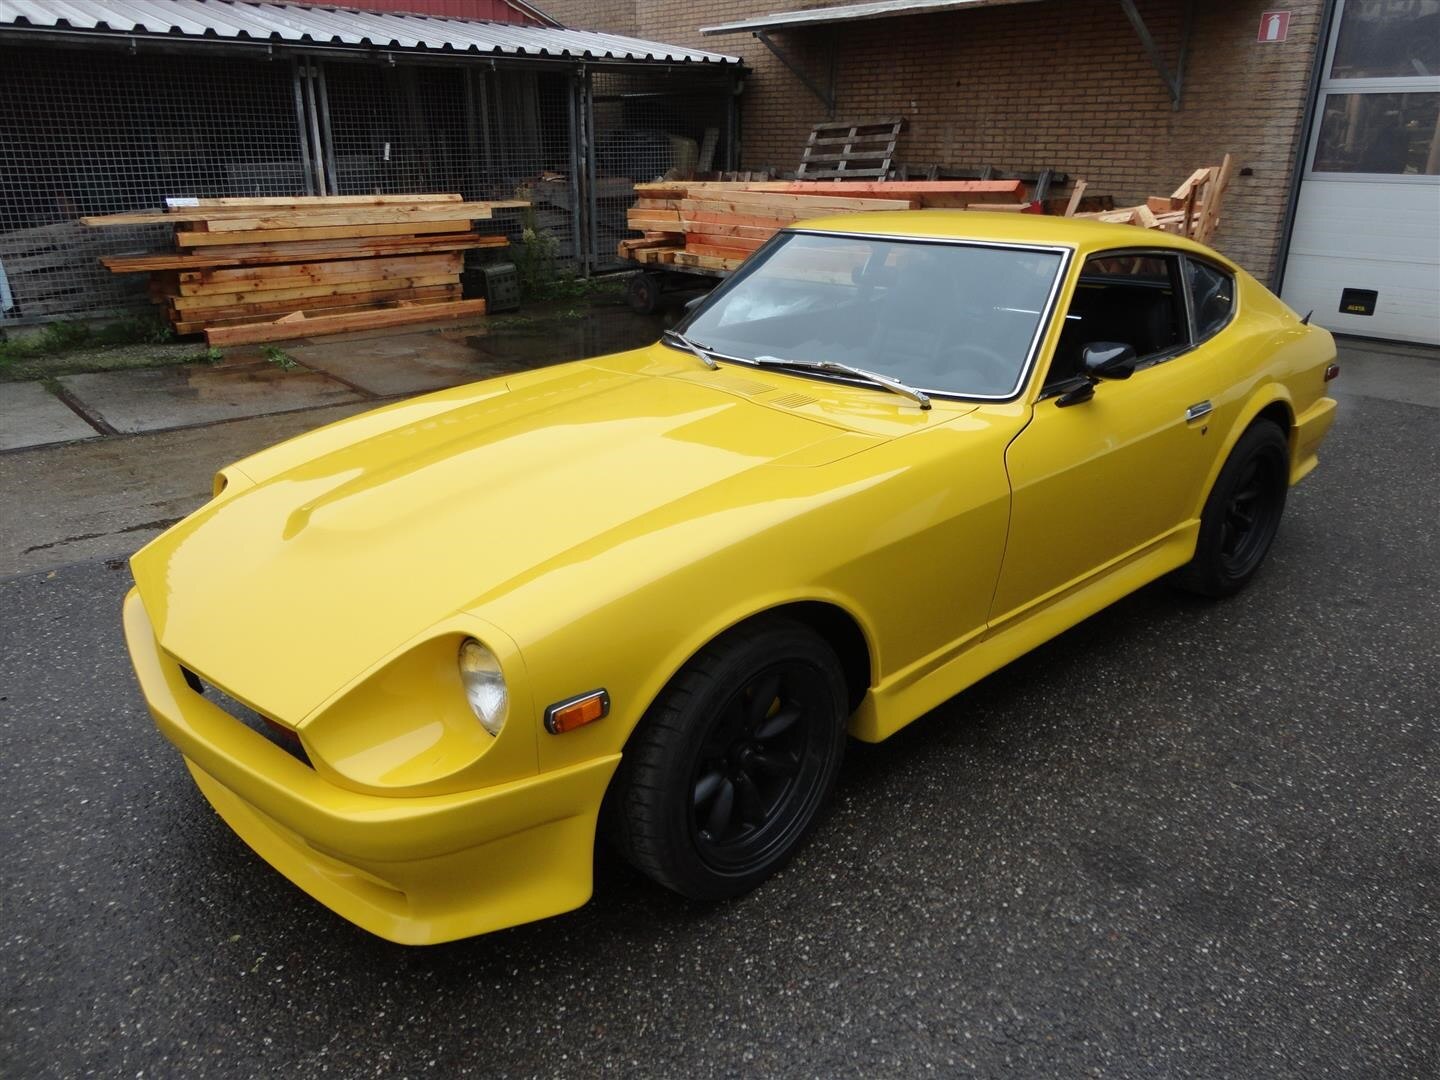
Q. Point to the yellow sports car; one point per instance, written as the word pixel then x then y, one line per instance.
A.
pixel 415 657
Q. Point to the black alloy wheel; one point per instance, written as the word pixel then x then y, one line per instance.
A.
pixel 1252 516
pixel 1242 514
pixel 765 749
pixel 732 765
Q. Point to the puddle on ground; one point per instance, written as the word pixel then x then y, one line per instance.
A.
pixel 538 341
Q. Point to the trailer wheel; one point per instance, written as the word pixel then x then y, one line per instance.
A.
pixel 644 293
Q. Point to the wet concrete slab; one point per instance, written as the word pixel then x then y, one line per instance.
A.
pixel 397 365
pixel 416 362
pixel 161 398
pixel 109 497
pixel 32 416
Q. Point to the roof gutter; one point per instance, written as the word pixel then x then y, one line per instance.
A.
pixel 134 43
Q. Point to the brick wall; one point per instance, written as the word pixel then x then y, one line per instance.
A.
pixel 1060 84
pixel 610 16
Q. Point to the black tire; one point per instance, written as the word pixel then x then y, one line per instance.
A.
pixel 1242 514
pixel 644 294
pixel 733 763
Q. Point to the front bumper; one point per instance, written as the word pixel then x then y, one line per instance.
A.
pixel 417 870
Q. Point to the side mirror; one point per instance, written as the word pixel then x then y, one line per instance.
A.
pixel 1108 360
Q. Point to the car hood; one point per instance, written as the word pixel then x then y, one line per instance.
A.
pixel 377 528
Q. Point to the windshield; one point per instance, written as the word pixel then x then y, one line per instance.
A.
pixel 952 318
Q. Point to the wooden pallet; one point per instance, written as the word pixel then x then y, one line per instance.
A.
pixel 847 149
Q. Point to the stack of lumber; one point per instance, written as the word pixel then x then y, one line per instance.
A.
pixel 1192 210
pixel 715 226
pixel 250 270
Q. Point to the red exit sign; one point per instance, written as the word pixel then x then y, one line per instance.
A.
pixel 1274 26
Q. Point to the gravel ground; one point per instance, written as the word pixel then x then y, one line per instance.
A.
pixel 1184 839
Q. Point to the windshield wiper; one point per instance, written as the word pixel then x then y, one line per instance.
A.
pixel 886 381
pixel 685 343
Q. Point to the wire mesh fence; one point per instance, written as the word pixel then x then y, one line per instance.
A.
pixel 647 126
pixel 87 131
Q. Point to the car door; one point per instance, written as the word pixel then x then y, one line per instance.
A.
pixel 1102 479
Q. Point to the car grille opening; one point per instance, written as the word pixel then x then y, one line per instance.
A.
pixel 274 732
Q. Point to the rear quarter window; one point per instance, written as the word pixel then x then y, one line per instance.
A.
pixel 1212 293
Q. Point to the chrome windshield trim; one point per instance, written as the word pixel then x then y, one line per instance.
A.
pixel 1065 251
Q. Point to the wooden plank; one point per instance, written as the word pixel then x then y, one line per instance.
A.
pixel 295 275
pixel 310 200
pixel 730 228
pixel 326 213
pixel 269 254
pixel 842 174
pixel 336 232
pixel 780 207
pixel 627 247
pixel 1214 194
pixel 662 189
pixel 271 310
pixel 1199 176
pixel 1076 194
pixel 820 202
pixel 308 219
pixel 251 306
pixel 706 262
pixel 696 241
pixel 204 322
pixel 335 324
pixel 226 299
pixel 708 217
pixel 716 251
pixel 894 189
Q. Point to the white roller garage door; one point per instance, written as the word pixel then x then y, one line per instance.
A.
pixel 1365 248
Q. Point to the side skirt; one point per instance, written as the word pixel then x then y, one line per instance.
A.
pixel 912 693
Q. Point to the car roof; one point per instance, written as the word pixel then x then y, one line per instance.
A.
pixel 1084 235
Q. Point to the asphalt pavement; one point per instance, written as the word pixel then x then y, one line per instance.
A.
pixel 1184 839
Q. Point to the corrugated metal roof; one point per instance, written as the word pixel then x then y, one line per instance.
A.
pixel 884 9
pixel 299 25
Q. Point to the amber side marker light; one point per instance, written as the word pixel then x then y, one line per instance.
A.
pixel 576 712
pixel 1332 371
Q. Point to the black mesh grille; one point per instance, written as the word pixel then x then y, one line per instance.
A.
pixel 277 734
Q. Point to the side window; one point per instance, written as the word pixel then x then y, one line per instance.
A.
pixel 1212 293
pixel 1135 299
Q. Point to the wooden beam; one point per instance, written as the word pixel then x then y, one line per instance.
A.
pixel 297 275
pixel 335 232
pixel 305 292
pixel 367 215
pixel 318 214
pixel 335 324
pixel 248 255
pixel 310 200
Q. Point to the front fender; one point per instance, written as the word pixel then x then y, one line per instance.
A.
pixel 1259 400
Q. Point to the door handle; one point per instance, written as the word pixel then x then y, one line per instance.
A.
pixel 1197 411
